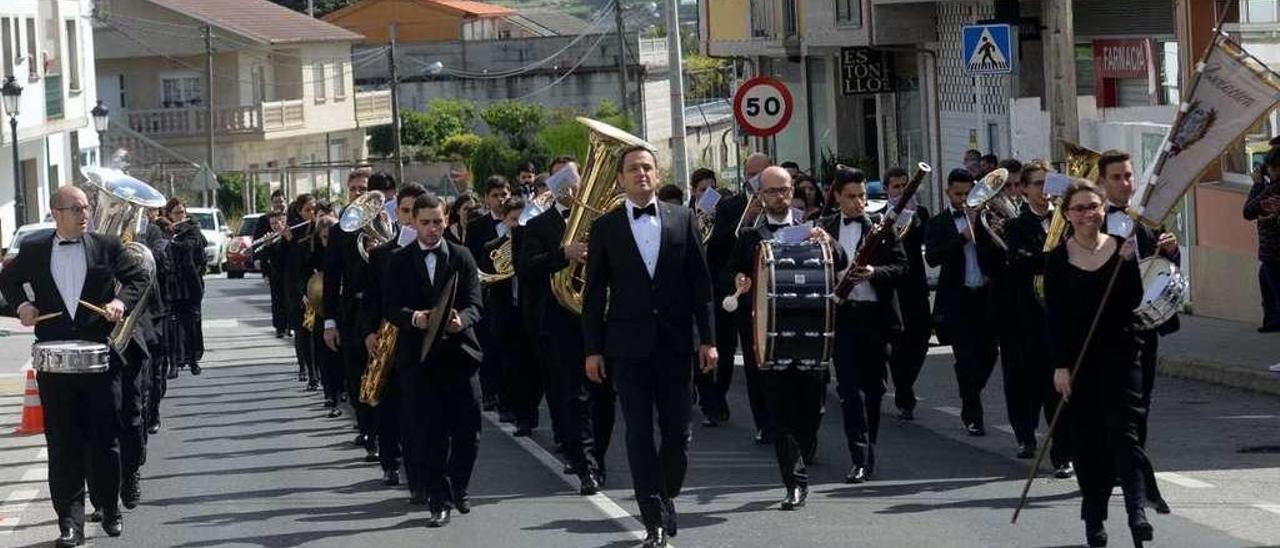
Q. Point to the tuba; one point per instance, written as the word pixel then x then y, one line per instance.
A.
pixel 987 198
pixel 595 197
pixel 366 215
pixel 119 202
pixel 501 256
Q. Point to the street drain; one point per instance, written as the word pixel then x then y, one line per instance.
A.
pixel 1259 449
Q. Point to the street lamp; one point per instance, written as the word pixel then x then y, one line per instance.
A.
pixel 12 95
pixel 101 119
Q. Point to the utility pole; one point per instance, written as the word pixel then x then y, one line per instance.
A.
pixel 395 101
pixel 311 8
pixel 1060 78
pixel 622 58
pixel 212 193
pixel 679 162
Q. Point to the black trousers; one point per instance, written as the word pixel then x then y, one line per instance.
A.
pixel 909 348
pixel 135 377
pixel 661 384
pixel 186 346
pixel 542 350
pixel 303 345
pixel 355 357
pixel 589 408
pixel 860 354
pixel 489 332
pixel 713 387
pixel 795 403
pixel 159 384
pixel 1148 351
pixel 279 300
pixel 522 378
pixel 1104 423
pixel 326 367
pixel 751 370
pixel 1028 388
pixel 387 416
pixel 82 429
pixel 975 345
pixel 1269 283
pixel 441 420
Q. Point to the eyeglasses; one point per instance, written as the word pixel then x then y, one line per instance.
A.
pixel 1085 208
pixel 776 191
pixel 74 210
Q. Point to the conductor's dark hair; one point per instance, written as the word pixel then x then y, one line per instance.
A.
pixel 846 176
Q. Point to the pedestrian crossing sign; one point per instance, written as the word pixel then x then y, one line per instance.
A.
pixel 988 49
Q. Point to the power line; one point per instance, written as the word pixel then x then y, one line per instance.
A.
pixel 601 16
pixel 583 59
pixel 151 26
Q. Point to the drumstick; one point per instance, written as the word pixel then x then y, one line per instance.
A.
pixel 95 308
pixel 48 316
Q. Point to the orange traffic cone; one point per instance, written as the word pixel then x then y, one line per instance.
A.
pixel 32 411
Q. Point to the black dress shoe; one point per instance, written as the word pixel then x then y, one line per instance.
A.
pixel 763 437
pixel 1063 471
pixel 95 517
pixel 462 502
pixel 391 478
pixel 131 490
pixel 710 422
pixel 195 369
pixel 669 525
pixel 313 386
pixel 796 497
pixel 360 441
pixel 857 474
pixel 371 455
pixel 589 484
pixel 172 374
pixel 1161 506
pixel 569 470
pixel 69 538
pixel 523 432
pixel 654 537
pixel 975 429
pixel 438 518
pixel 154 428
pixel 279 334
pixel 506 416
pixel 907 414
pixel 1095 534
pixel 1269 329
pixel 113 524
pixel 334 412
pixel 1140 528
pixel 1026 450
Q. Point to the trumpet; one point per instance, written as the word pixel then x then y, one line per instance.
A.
pixel 274 236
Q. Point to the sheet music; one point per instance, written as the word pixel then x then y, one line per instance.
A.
pixel 707 203
pixel 793 234
pixel 563 179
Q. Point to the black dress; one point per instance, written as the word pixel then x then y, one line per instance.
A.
pixel 1106 394
pixel 299 263
pixel 184 291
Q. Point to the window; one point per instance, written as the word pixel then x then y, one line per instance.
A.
pixel 339 81
pixel 33 64
pixel 1260 11
pixel 6 48
pixel 73 55
pixel 317 76
pixel 180 91
pixel 849 12
pixel 124 101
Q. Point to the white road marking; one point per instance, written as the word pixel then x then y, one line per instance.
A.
pixel 38 473
pixel 230 323
pixel 601 501
pixel 1184 481
pixel 953 411
pixel 939 350
pixel 1248 417
pixel 1273 508
pixel 42 455
pixel 14 505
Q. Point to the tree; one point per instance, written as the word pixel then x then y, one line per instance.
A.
pixel 515 121
pixel 414 128
pixel 445 118
pixel 459 147
pixel 705 77
pixel 491 156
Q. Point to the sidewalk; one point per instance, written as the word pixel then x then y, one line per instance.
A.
pixel 15 351
pixel 1222 352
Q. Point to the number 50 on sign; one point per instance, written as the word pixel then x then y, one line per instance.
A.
pixel 762 106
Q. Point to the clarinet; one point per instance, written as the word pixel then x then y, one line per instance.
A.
pixel 881 234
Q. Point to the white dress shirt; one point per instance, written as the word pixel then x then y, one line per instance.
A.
pixel 972 272
pixel 431 259
pixel 850 238
pixel 788 219
pixel 647 231
pixel 68 266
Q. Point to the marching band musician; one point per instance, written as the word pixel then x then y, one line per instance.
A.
pixel 712 388
pixel 962 307
pixel 1115 173
pixel 521 378
pixel 295 250
pixel 159 247
pixel 461 212
pixel 794 397
pixel 344 277
pixel 650 313
pixel 909 348
pixel 275 278
pixel 1028 378
pixel 865 322
pixel 587 408
pixel 438 393
pixel 327 361
pixel 186 287
pixel 388 411
pixel 720 245
pixel 479 231
pixel 1105 395
pixel 82 425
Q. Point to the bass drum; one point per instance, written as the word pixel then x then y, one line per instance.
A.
pixel 793 321
pixel 1164 290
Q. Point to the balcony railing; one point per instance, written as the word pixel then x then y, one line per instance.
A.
pixel 373 108
pixel 238 120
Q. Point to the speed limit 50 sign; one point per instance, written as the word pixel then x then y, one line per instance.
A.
pixel 762 106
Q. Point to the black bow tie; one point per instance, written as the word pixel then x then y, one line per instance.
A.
pixel 849 220
pixel 956 213
pixel 69 242
pixel 438 251
pixel 776 227
pixel 651 209
pixel 565 213
pixel 1114 209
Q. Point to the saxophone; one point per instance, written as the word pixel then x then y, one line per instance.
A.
pixel 378 371
pixel 595 197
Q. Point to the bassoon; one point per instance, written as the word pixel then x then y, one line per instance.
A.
pixel 881 234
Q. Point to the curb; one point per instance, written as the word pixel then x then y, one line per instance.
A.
pixel 1234 376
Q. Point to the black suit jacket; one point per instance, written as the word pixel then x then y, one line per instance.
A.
pixel 407 287
pixel 344 280
pixel 724 238
pixel 1025 236
pixel 105 264
pixel 628 314
pixel 480 231
pixel 370 314
pixel 944 247
pixel 540 257
pixel 890 264
pixel 916 279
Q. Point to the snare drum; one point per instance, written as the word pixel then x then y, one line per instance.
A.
pixel 72 357
pixel 1164 289
pixel 793 319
